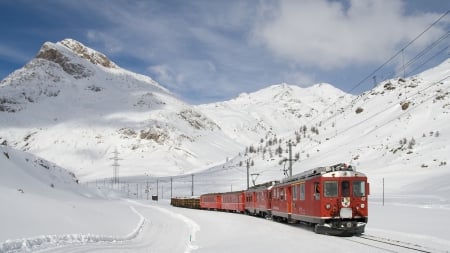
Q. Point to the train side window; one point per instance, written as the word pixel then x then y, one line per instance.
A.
pixel 294 192
pixel 345 187
pixel 331 189
pixel 302 191
pixel 359 189
pixel 316 191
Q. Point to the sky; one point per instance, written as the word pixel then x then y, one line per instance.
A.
pixel 209 51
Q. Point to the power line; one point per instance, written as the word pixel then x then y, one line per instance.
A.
pixel 372 74
pixel 399 52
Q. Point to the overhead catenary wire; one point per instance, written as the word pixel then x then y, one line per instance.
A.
pixel 418 56
pixel 384 64
pixel 399 52
pixel 384 109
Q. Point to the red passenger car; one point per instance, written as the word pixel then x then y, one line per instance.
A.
pixel 233 201
pixel 211 201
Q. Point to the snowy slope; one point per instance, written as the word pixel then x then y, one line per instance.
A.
pixel 41 198
pixel 73 106
pixel 276 110
pixel 398 131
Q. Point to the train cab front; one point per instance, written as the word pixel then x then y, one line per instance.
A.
pixel 344 209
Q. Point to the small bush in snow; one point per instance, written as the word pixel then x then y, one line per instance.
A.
pixel 405 105
pixel 359 110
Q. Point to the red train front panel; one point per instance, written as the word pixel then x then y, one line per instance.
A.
pixel 337 200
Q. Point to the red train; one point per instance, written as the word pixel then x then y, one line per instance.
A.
pixel 332 198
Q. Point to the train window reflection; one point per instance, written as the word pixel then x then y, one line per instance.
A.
pixel 302 191
pixel 331 189
pixel 345 189
pixel 359 189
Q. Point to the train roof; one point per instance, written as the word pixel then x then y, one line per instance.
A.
pixel 263 186
pixel 319 171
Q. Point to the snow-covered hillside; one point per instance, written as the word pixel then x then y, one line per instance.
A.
pixel 41 198
pixel 64 114
pixel 398 131
pixel 276 110
pixel 73 106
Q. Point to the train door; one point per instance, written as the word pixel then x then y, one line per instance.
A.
pixel 289 199
pixel 294 189
pixel 315 196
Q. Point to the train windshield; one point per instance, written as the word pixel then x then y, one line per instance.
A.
pixel 359 189
pixel 345 187
pixel 331 189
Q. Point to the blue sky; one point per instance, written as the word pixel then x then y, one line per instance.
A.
pixel 206 51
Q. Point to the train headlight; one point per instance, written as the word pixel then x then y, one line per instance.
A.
pixel 328 206
pixel 363 205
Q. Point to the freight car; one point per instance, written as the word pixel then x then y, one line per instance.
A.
pixel 193 203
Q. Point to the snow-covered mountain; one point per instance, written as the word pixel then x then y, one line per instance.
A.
pixel 399 131
pixel 75 107
pixel 71 105
pixel 63 115
pixel 276 110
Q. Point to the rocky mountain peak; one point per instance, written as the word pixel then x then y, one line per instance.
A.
pixel 52 53
pixel 88 53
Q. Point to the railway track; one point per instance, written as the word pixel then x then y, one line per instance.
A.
pixel 390 245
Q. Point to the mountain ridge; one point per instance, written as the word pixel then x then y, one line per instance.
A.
pixel 77 116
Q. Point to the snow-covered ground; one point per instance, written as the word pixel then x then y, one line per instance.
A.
pixel 45 210
pixel 75 113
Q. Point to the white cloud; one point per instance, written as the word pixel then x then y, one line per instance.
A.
pixel 331 35
pixel 111 44
pixel 166 75
pixel 299 78
pixel 12 53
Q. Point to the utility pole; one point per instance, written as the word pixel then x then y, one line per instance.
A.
pixel 289 143
pixel 147 190
pixel 290 158
pixel 157 188
pixel 248 175
pixel 383 191
pixel 192 185
pixel 115 158
pixel 170 188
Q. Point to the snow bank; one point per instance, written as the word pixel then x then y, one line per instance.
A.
pixel 45 241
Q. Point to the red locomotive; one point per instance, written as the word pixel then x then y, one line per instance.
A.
pixel 332 198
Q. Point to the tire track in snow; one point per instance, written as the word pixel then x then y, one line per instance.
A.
pixel 51 241
pixel 192 225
